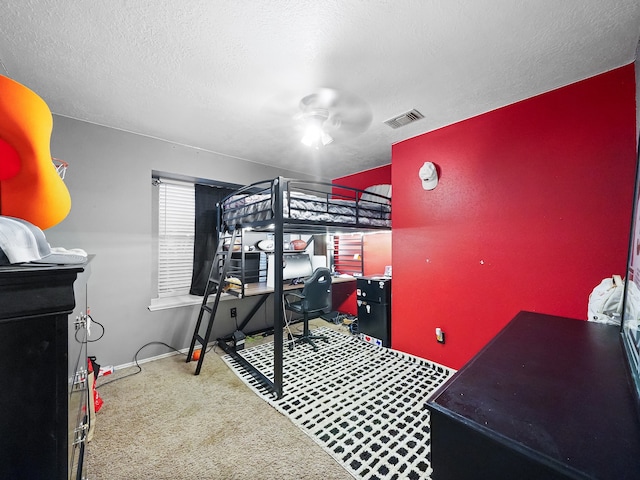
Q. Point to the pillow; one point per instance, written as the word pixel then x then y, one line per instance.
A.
pixel 382 189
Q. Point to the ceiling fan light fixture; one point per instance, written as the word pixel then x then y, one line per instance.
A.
pixel 314 135
pixel 316 138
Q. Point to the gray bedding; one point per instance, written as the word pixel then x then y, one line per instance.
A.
pixel 245 209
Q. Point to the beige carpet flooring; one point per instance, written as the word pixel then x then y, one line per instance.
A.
pixel 167 423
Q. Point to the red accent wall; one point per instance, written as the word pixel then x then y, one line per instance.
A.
pixel 377 252
pixel 344 299
pixel 375 176
pixel 376 247
pixel 532 211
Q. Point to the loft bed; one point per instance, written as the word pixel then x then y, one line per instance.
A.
pixel 282 206
pixel 312 207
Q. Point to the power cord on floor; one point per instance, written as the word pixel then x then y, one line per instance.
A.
pixel 287 322
pixel 135 359
pixel 90 319
pixel 353 328
pixel 347 320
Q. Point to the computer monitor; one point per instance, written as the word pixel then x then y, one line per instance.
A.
pixel 296 265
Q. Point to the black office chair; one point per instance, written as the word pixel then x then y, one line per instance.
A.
pixel 314 300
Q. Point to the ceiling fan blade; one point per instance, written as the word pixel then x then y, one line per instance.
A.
pixel 346 114
pixel 323 98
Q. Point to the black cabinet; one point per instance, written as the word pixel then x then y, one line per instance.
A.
pixel 81 414
pixel 547 398
pixel 35 303
pixel 373 297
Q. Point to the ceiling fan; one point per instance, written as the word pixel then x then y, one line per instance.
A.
pixel 326 115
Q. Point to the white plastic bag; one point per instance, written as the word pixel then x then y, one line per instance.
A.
pixel 605 301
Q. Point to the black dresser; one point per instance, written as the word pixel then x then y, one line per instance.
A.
pixel 35 380
pixel 548 398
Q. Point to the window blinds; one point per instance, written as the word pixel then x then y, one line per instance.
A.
pixel 176 238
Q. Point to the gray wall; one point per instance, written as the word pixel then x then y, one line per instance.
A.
pixel 109 178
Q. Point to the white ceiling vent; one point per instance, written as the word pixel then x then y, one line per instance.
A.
pixel 404 119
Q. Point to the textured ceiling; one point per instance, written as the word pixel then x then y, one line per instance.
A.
pixel 226 76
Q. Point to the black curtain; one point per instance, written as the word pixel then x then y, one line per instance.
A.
pixel 206 234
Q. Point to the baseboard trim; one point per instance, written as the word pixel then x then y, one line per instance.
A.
pixel 157 357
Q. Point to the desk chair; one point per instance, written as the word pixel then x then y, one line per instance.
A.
pixel 314 300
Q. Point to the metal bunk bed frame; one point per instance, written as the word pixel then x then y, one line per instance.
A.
pixel 275 221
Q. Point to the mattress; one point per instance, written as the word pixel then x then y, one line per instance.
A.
pixel 245 209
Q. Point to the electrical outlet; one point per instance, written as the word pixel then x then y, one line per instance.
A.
pixel 234 312
pixel 81 321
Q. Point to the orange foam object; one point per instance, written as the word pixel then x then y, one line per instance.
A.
pixel 30 186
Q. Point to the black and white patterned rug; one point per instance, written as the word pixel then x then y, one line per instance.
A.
pixel 364 404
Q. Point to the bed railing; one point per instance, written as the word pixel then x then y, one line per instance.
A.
pixel 304 202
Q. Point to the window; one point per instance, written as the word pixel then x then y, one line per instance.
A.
pixel 176 235
pixel 184 221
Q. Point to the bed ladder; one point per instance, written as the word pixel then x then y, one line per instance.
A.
pixel 215 284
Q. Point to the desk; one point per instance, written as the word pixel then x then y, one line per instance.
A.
pixel 547 398
pixel 253 289
pixel 261 289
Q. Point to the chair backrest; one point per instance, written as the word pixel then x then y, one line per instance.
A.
pixel 317 291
